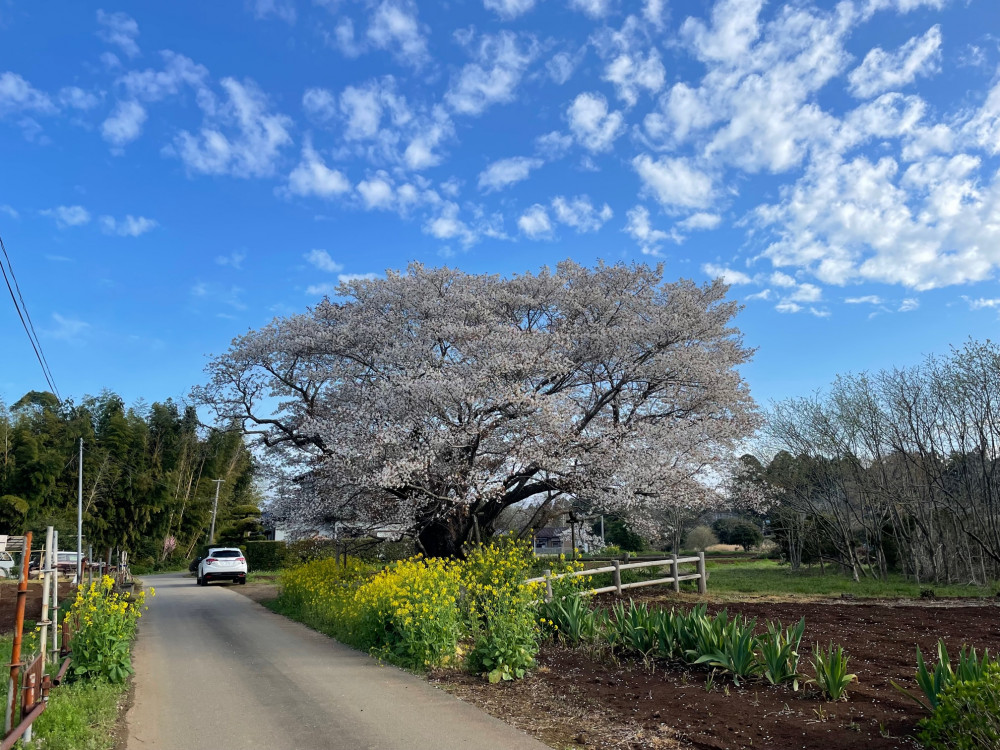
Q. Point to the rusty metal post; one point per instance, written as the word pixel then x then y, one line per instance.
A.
pixel 15 651
pixel 702 574
pixel 618 577
pixel 675 572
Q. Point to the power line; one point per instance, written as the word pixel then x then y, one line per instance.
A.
pixel 26 322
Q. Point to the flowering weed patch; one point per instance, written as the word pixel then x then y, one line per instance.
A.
pixel 105 625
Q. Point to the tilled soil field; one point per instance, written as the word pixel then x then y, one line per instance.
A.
pixel 579 699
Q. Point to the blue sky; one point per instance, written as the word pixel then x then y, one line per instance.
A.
pixel 176 173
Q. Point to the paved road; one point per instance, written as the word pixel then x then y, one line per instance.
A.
pixel 216 671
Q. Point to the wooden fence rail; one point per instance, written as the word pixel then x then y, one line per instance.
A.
pixel 616 569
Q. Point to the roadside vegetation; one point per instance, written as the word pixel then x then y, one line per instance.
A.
pixel 82 713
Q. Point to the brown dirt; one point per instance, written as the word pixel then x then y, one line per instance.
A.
pixel 259 592
pixel 576 699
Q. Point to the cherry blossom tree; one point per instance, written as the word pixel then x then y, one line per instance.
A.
pixel 432 399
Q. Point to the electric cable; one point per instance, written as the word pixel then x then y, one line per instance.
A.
pixel 26 323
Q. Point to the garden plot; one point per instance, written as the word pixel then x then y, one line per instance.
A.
pixel 580 699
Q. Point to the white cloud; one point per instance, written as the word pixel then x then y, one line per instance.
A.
pixel 982 303
pixel 500 63
pixel 593 8
pixel 446 225
pixel 377 191
pixel 363 108
pixel 68 216
pixel 593 125
pixel 320 104
pixel 394 27
pixel 124 124
pixel 734 28
pixel 506 172
pixel 9 210
pixel 535 222
pixel 700 220
pixel 728 275
pixel 119 29
pixel 642 231
pixel 421 152
pixel 631 63
pixel 322 260
pixel 252 146
pixel 233 260
pixel 343 39
pixel 283 9
pixel 579 213
pixel 788 307
pixel 74 97
pixel 508 9
pixel 178 71
pixel 764 294
pixel 313 177
pixel 553 145
pixel 885 71
pixel 929 225
pixel 130 226
pixel 562 64
pixel 908 304
pixel 782 279
pixel 868 299
pixel 67 329
pixel 654 11
pixel 674 182
pixel 17 95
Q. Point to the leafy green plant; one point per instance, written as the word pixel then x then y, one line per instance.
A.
pixel 571 619
pixel 831 671
pixel 933 681
pixel 779 653
pixel 501 615
pixel 633 626
pixel 105 625
pixel 967 715
pixel 737 652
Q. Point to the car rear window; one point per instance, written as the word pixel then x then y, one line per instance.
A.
pixel 227 553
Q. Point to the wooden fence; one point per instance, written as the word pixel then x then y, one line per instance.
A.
pixel 617 567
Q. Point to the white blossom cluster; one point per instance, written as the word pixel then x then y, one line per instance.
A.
pixel 436 398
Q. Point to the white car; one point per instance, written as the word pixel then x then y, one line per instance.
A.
pixel 223 564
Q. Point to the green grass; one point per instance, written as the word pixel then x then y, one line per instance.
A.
pixel 766 577
pixel 264 576
pixel 80 716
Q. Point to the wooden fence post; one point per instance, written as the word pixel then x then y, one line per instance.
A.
pixel 548 584
pixel 702 574
pixel 618 576
pixel 675 572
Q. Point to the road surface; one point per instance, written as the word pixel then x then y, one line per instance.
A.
pixel 216 671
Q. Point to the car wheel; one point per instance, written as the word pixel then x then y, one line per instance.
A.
pixel 243 581
pixel 201 581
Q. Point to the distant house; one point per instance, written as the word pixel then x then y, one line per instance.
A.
pixel 553 540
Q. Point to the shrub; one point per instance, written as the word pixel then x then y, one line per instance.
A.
pixel 266 555
pixel 737 650
pixel 967 715
pixel 500 609
pixel 105 625
pixel 700 538
pixel 738 531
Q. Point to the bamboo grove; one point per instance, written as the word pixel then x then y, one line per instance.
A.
pixel 147 472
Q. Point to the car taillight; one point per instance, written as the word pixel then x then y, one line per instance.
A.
pixel 211 560
pixel 241 559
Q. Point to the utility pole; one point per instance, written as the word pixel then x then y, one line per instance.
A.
pixel 215 510
pixel 79 520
